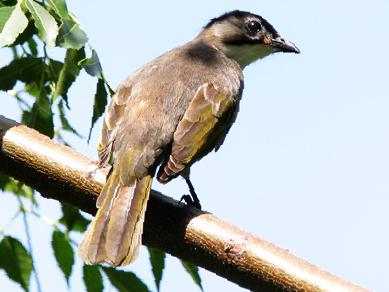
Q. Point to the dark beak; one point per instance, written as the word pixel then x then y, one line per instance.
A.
pixel 284 46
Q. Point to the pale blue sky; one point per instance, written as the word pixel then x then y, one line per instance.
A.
pixel 306 165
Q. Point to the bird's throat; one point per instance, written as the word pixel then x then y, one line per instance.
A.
pixel 246 54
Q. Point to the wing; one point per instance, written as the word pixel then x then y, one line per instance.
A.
pixel 112 119
pixel 201 129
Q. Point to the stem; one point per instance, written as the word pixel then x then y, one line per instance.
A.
pixel 54 224
pixel 49 64
pixel 15 52
pixel 43 218
pixel 2 230
pixel 29 243
pixel 45 51
pixel 24 50
pixel 33 116
pixel 22 102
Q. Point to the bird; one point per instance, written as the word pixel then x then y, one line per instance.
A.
pixel 166 116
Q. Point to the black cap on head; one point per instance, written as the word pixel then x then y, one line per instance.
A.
pixel 242 14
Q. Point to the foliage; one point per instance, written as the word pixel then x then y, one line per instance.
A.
pixel 193 272
pixel 16 261
pixel 125 281
pixel 63 253
pixel 157 260
pixel 40 86
pixel 92 278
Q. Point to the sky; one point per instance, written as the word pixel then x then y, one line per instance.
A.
pixel 305 166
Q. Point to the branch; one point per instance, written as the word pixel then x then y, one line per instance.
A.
pixel 60 173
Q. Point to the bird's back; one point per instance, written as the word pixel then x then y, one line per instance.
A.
pixel 158 94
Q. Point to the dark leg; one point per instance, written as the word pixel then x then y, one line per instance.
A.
pixel 191 200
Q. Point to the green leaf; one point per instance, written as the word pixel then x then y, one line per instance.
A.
pixel 16 261
pixel 64 121
pixel 53 69
pixel 25 69
pixel 71 36
pixel 33 90
pixel 41 118
pixel 14 25
pixel 4 181
pixel 193 271
pixel 27 192
pixel 4 3
pixel 63 253
pixel 44 22
pixel 26 35
pixel 59 6
pixel 5 13
pixel 125 281
pixel 99 103
pixel 11 185
pixel 26 116
pixel 157 259
pixel 72 218
pixel 69 72
pixel 92 65
pixel 32 45
pixel 92 278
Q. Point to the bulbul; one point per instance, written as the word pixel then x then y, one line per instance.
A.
pixel 166 116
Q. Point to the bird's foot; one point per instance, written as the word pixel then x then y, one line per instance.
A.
pixel 190 201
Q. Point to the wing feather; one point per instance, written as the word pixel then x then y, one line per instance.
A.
pixel 200 130
pixel 112 119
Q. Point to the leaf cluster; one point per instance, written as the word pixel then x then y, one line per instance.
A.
pixel 17 261
pixel 40 85
pixel 38 82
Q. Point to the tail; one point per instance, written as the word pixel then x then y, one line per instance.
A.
pixel 115 234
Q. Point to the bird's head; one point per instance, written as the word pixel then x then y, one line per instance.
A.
pixel 245 37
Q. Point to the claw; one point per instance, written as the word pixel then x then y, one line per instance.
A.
pixel 188 199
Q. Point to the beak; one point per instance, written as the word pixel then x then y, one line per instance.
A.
pixel 283 45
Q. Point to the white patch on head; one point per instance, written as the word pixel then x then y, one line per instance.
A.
pixel 224 30
pixel 246 54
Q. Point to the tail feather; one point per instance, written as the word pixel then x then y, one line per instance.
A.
pixel 137 213
pixel 115 234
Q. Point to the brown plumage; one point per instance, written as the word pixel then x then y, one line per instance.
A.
pixel 168 114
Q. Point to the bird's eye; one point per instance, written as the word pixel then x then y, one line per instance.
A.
pixel 253 27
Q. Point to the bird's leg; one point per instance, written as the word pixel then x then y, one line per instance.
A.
pixel 193 196
pixel 192 199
